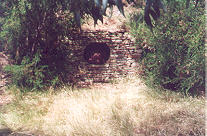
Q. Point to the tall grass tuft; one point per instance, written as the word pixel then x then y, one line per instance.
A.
pixel 125 108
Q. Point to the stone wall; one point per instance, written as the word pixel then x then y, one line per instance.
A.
pixel 123 59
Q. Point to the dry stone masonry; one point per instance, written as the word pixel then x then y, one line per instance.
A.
pixel 122 61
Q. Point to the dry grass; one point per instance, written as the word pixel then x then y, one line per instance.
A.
pixel 127 108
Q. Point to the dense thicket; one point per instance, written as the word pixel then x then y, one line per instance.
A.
pixel 34 33
pixel 174 53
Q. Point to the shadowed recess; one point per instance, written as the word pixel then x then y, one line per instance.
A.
pixel 97 53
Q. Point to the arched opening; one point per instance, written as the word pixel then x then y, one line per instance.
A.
pixel 97 53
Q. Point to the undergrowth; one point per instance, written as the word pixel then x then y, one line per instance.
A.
pixel 125 108
pixel 174 53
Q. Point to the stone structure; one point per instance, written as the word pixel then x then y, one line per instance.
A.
pixel 123 56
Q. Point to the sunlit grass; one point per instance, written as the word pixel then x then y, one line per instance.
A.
pixel 124 108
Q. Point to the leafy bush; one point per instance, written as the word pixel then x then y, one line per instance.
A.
pixel 28 73
pixel 33 34
pixel 174 53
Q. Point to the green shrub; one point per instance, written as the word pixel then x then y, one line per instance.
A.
pixel 28 73
pixel 174 53
pixel 33 33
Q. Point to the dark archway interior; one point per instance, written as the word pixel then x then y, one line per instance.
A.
pixel 97 53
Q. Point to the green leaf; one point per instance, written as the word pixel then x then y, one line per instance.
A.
pixel 130 1
pixel 162 5
pixel 119 4
pixel 148 5
pixel 77 17
pixel 97 3
pixel 156 13
pixel 147 13
pixel 96 14
pixel 104 4
pixel 196 3
pixel 187 3
pixel 111 10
